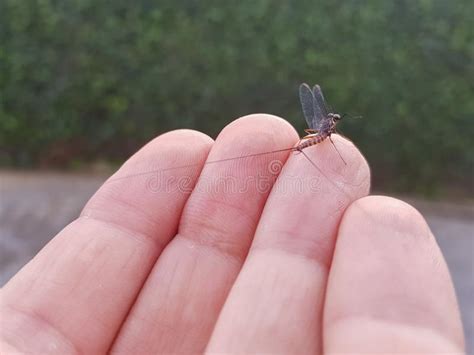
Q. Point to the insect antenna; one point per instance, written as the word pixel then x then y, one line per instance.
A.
pixel 197 164
pixel 250 155
pixel 350 116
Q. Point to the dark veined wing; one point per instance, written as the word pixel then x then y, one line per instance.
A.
pixel 318 95
pixel 311 111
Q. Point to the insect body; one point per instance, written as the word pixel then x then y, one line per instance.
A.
pixel 321 122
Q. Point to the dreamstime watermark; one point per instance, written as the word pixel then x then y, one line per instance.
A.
pixel 234 181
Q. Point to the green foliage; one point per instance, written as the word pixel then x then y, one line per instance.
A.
pixel 94 79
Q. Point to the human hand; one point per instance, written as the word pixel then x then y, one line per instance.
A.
pixel 309 266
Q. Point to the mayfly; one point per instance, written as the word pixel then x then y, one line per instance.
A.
pixel 321 124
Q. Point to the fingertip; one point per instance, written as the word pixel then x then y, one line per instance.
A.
pixel 355 167
pixel 264 119
pixel 387 269
pixel 312 192
pixel 387 212
pixel 273 132
pixel 181 140
pixel 236 181
pixel 160 174
pixel 342 168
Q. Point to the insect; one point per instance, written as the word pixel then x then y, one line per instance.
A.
pixel 321 122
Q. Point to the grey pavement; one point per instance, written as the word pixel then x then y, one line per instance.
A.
pixel 35 206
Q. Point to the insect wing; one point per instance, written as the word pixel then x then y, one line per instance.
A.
pixel 320 102
pixel 308 104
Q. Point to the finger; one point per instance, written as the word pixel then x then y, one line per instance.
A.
pixel 177 309
pixel 74 295
pixel 389 289
pixel 275 305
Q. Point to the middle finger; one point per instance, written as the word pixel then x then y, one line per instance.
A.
pixel 176 310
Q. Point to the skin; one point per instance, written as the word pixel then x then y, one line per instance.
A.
pixel 307 264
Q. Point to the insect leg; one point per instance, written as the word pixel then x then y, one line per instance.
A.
pixel 312 135
pixel 337 150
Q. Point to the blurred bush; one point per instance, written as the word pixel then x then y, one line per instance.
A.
pixel 87 80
